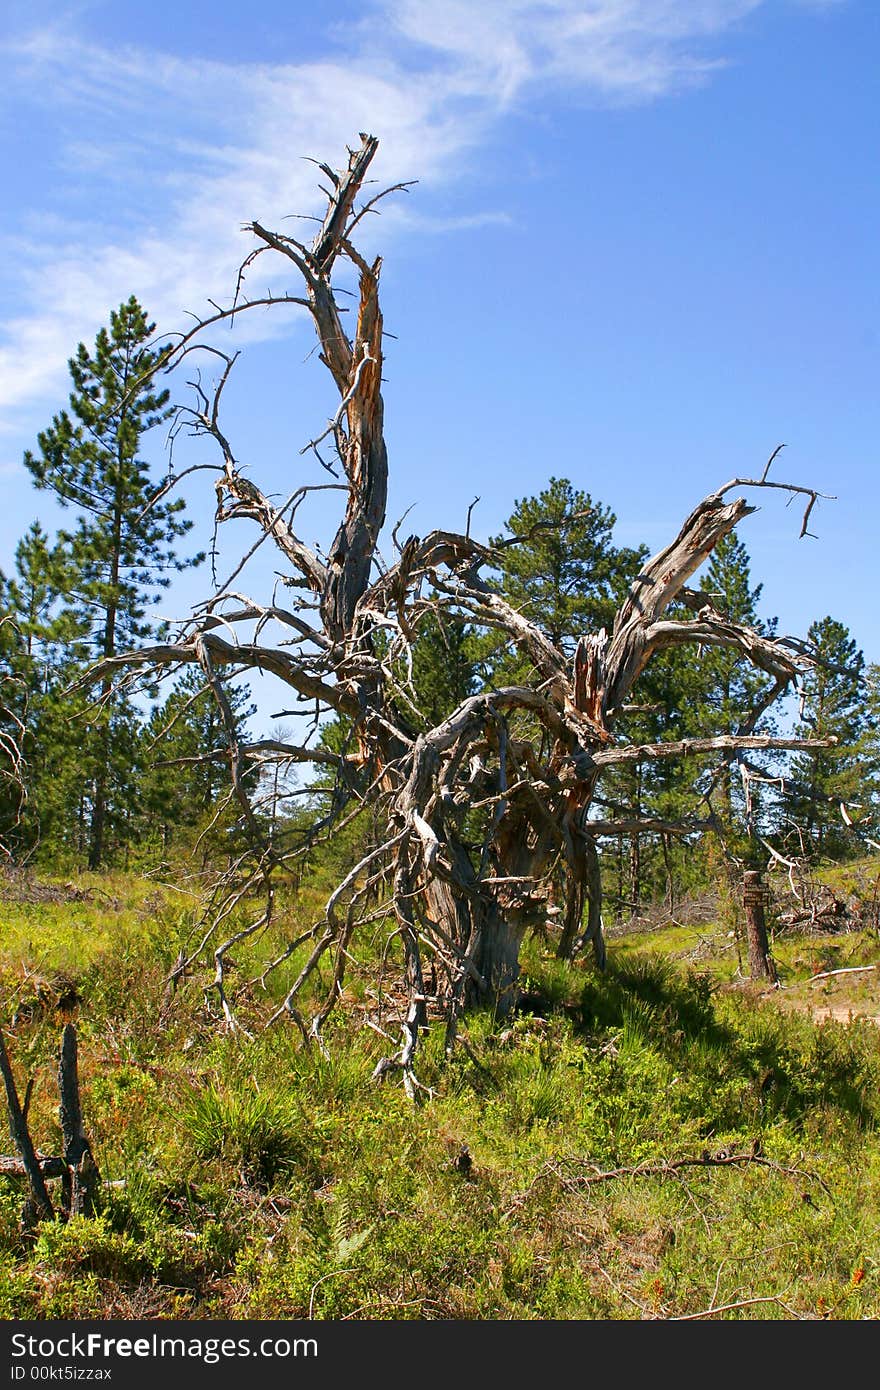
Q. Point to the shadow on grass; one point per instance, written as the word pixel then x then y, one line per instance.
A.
pixel 792 1065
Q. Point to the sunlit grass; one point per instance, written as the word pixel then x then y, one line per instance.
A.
pixel 255 1178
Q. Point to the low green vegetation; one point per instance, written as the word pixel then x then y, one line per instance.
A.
pixel 660 1141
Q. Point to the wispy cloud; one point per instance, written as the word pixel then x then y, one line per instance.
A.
pixel 168 158
pixel 627 48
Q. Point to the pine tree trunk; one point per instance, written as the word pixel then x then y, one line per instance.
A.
pixel 96 825
pixel 670 880
pixel 619 858
pixel 99 808
pixel 635 870
pixel 761 965
pixel 635 850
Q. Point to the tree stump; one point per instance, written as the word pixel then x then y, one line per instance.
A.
pixel 81 1178
pixel 76 1167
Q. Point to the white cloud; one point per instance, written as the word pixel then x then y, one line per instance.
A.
pixel 631 48
pixel 172 156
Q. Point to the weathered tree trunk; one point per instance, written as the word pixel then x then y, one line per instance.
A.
pixel 488 809
pixel 42 1206
pixel 499 962
pixel 81 1177
pixel 635 870
pixel 761 964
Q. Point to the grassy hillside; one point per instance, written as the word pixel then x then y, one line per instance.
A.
pixel 660 1142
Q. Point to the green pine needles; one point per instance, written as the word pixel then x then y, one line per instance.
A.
pixel 113 564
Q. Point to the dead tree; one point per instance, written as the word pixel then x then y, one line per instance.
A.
pixel 76 1167
pixel 487 812
pixel 28 1163
pixel 81 1178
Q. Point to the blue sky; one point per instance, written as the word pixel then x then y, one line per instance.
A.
pixel 640 254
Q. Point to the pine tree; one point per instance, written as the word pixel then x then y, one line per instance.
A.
pixel 833 705
pixel 186 767
pixel 443 667
pixel 45 660
pixel 691 693
pixel 121 553
pixel 13 792
pixel 867 811
pixel 565 573
pixel 722 687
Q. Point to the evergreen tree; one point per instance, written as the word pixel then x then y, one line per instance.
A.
pixel 867 813
pixel 563 572
pixel 833 705
pixel 443 667
pixel 186 766
pixel 12 771
pixel 34 594
pixel 722 687
pixel 121 552
pixel 45 660
pixel 566 573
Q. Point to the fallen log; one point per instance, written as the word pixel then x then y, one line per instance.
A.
pixel 50 1165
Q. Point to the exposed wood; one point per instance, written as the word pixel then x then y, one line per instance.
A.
pixel 80 1179
pixel 847 970
pixel 578 1174
pixel 50 1166
pixel 483 824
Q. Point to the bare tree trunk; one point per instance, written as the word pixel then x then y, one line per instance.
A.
pixel 81 1178
pixel 635 870
pixel 761 964
pixel 670 881
pixel 42 1207
pixel 619 865
pixel 635 848
pixel 99 809
pixel 481 812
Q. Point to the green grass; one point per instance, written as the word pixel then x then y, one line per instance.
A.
pixel 249 1178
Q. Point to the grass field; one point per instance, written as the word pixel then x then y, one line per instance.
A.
pixel 664 1141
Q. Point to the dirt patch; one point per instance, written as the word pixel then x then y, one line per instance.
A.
pixel 845 996
pixel 841 1014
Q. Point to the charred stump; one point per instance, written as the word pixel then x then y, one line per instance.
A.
pixel 81 1178
pixel 38 1206
pixel 76 1167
